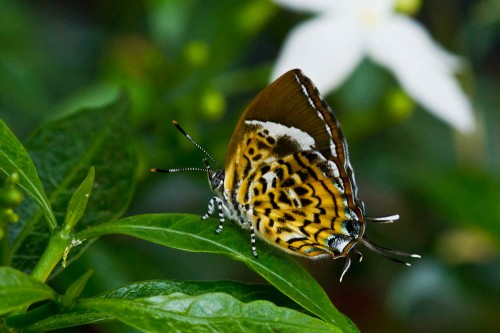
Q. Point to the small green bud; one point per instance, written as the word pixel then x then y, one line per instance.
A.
pixel 213 104
pixel 399 105
pixel 13 179
pixel 197 53
pixel 10 216
pixel 10 197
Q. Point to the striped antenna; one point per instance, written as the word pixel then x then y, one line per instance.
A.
pixel 195 143
pixel 385 252
pixel 178 169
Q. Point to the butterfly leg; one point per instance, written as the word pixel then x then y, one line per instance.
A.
pixel 252 234
pixel 252 241
pixel 211 209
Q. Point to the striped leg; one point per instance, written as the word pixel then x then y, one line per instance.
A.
pixel 211 208
pixel 252 235
pixel 252 241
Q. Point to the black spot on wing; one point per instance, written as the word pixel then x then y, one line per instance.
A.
pixel 283 229
pixel 296 239
pixel 247 167
pixel 300 190
pixel 302 228
pixel 285 145
pixel 262 146
pixel 311 157
pixel 263 181
pixel 284 198
pixel 298 212
pixel 265 169
pixel 279 173
pixel 257 157
pixel 288 182
pixel 305 202
pixel 273 201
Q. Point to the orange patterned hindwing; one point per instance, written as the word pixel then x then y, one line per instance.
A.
pixel 294 198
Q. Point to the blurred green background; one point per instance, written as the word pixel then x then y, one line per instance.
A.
pixel 201 62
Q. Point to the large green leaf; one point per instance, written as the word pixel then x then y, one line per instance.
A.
pixel 14 158
pixel 19 290
pixel 64 151
pixel 189 232
pixel 50 319
pixel 211 312
pixel 242 291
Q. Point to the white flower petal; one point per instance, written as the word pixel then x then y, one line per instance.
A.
pixel 423 68
pixel 326 48
pixel 317 6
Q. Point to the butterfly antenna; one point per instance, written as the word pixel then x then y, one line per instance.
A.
pixel 386 252
pixel 178 169
pixel 383 219
pixel 195 143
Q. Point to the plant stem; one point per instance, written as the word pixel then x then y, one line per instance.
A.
pixel 52 255
pixel 4 250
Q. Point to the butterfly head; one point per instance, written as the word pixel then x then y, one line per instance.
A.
pixel 215 178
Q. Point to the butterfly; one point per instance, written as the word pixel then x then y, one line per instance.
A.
pixel 288 178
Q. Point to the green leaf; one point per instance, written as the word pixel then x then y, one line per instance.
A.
pixel 14 158
pixel 211 312
pixel 189 232
pixel 19 290
pixel 75 289
pixel 242 291
pixel 34 320
pixel 64 151
pixel 78 202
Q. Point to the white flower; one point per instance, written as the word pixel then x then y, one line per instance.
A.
pixel 329 46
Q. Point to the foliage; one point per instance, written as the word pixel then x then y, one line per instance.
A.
pixel 177 310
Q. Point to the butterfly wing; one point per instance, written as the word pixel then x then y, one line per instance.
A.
pixel 288 129
pixel 298 203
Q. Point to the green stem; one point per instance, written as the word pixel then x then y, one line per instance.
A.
pixel 4 250
pixel 4 239
pixel 52 255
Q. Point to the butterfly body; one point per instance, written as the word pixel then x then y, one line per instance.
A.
pixel 288 178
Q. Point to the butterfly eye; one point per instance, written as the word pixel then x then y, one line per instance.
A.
pixel 216 180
